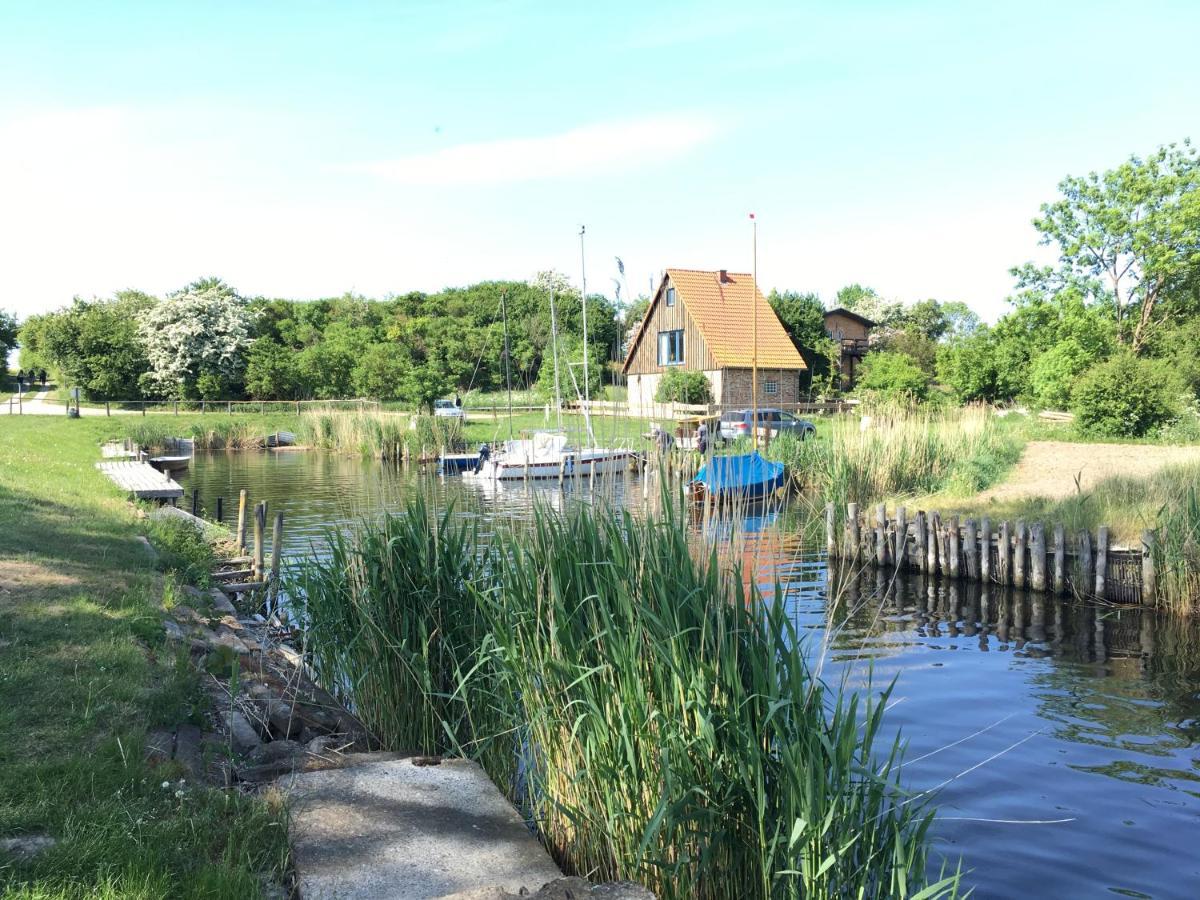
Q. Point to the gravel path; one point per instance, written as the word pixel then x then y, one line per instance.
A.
pixel 1049 468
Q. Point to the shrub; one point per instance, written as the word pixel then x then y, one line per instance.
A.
pixel 893 376
pixel 1054 373
pixel 680 386
pixel 1125 397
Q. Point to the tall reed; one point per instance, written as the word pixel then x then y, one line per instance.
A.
pixel 381 433
pixel 654 718
pixel 896 451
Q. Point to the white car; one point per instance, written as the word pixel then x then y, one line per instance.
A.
pixel 447 409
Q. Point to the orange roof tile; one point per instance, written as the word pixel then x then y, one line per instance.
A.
pixel 724 313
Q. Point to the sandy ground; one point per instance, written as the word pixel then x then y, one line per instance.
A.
pixel 1049 468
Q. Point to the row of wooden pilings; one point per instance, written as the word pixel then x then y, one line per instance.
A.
pixel 1019 555
pixel 258 576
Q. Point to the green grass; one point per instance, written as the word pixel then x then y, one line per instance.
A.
pixel 655 720
pixel 84 673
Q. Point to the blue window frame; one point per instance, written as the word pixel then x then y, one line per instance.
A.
pixel 670 348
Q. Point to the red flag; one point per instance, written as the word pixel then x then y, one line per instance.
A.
pixel 752 215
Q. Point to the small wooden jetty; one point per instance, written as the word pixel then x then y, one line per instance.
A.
pixel 142 480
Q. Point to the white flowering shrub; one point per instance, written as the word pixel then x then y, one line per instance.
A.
pixel 196 338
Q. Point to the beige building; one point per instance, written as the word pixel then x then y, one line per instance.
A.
pixel 853 334
pixel 702 320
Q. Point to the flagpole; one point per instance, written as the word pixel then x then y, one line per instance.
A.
pixel 754 354
pixel 583 297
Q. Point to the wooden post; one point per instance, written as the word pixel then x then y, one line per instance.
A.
pixel 1101 561
pixel 195 500
pixel 985 550
pixel 260 527
pixel 143 409
pixel 901 555
pixel 229 407
pixel 1037 557
pixel 931 545
pixel 1149 576
pixel 220 509
pixel 922 538
pixel 852 529
pixel 953 547
pixel 971 549
pixel 107 411
pixel 1086 569
pixel 176 407
pixel 276 551
pixel 1060 559
pixel 1018 566
pixel 830 537
pixel 1004 546
pixel 881 535
pixel 241 528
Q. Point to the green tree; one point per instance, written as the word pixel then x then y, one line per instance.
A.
pixel 684 386
pixel 8 333
pixel 1126 396
pixel 93 344
pixel 1129 239
pixel 1053 374
pixel 893 375
pixel 272 372
pixel 381 373
pixel 969 368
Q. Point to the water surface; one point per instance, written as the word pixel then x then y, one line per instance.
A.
pixel 1062 739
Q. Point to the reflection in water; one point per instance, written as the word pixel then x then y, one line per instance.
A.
pixel 1018 708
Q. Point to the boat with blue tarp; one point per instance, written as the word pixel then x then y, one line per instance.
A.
pixel 743 476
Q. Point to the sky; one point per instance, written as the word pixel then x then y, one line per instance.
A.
pixel 306 149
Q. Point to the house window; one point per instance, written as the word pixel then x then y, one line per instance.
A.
pixel 670 348
pixel 670 296
pixel 770 387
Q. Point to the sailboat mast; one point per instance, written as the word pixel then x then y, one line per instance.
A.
pixel 583 297
pixel 507 359
pixel 754 354
pixel 554 348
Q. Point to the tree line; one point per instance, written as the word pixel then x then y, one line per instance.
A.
pixel 205 341
pixel 1110 332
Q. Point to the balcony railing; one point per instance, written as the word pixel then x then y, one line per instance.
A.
pixel 857 347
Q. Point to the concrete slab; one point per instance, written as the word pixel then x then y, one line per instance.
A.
pixel 388 828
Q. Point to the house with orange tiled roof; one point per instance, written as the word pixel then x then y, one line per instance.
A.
pixel 702 320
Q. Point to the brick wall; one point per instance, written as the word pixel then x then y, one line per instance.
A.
pixel 736 386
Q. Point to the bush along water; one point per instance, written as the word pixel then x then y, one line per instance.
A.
pixel 653 719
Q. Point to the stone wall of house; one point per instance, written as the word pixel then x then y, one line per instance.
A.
pixel 736 388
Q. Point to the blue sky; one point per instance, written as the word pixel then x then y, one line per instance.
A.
pixel 304 149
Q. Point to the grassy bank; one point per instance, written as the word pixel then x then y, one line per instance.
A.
pixel 653 719
pixel 84 673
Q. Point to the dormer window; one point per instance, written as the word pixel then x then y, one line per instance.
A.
pixel 670 296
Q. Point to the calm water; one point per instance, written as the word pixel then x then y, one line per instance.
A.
pixel 1063 739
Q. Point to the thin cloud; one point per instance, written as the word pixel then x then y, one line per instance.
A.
pixel 601 148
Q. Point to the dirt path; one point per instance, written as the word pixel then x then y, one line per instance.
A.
pixel 1049 468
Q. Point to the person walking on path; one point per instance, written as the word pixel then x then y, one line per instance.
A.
pixel 42 377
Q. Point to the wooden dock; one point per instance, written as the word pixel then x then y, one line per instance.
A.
pixel 142 480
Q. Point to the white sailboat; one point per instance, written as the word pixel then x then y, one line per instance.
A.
pixel 551 454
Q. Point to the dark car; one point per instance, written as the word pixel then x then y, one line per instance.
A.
pixel 736 424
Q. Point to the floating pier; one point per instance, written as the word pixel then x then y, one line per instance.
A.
pixel 142 480
pixel 1018 554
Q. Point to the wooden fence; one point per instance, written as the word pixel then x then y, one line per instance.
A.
pixel 1018 554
